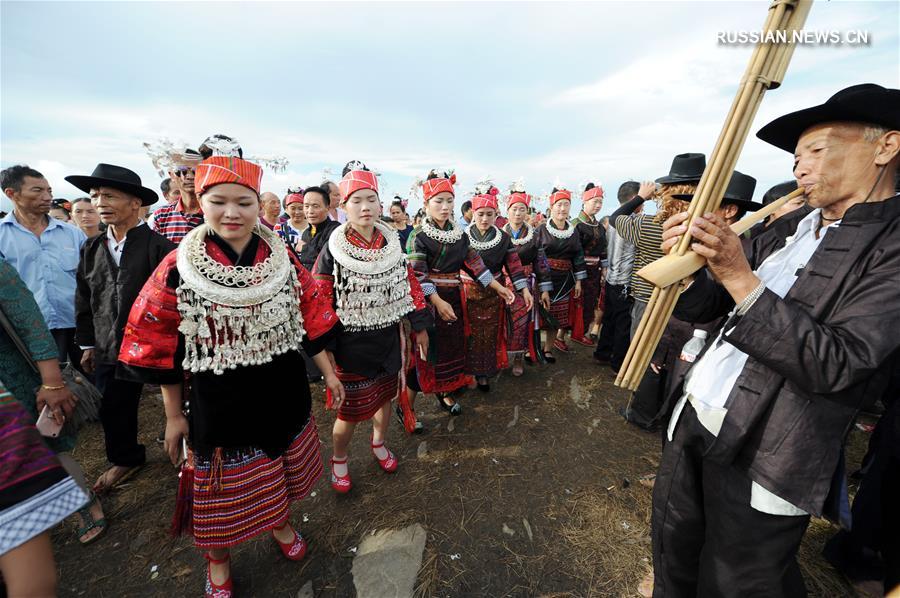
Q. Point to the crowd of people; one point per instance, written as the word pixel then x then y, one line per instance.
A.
pixel 219 292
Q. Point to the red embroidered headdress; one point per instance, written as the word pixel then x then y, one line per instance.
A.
pixel 443 182
pixel 592 193
pixel 293 198
pixel 485 200
pixel 518 197
pixel 223 169
pixel 357 177
pixel 559 195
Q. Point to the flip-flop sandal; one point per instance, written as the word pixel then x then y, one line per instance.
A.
pixel 103 488
pixel 86 515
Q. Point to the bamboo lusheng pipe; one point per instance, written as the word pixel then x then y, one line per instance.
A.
pixel 671 268
pixel 766 68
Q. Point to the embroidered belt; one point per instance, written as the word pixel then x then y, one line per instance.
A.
pixel 444 280
pixel 559 264
pixel 464 277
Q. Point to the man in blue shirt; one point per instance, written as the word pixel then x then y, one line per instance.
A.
pixel 44 251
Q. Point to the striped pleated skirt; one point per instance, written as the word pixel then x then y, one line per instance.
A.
pixel 239 496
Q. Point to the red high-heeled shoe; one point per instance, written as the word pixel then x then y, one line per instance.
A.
pixel 294 550
pixel 389 463
pixel 341 484
pixel 224 590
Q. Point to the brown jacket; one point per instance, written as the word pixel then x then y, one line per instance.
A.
pixel 816 356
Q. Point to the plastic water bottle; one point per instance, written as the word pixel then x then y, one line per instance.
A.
pixel 692 348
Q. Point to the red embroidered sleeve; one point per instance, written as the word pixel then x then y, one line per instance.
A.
pixel 415 289
pixel 318 312
pixel 151 334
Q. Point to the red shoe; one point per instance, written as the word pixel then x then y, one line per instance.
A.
pixel 294 550
pixel 341 484
pixel 389 463
pixel 560 346
pixel 583 341
pixel 217 591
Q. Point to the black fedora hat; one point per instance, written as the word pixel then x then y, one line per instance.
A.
pixel 686 168
pixel 865 103
pixel 739 192
pixel 117 177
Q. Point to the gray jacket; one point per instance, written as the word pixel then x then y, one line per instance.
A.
pixel 621 258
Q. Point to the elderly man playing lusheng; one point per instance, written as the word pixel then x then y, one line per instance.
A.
pixel 811 337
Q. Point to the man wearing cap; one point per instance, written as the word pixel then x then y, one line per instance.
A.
pixel 755 440
pixel 113 269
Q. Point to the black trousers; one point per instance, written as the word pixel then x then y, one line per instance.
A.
pixel 119 416
pixel 615 333
pixel 871 549
pixel 646 405
pixel 707 539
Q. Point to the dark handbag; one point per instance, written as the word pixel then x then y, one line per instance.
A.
pixel 87 407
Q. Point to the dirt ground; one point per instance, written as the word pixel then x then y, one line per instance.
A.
pixel 532 491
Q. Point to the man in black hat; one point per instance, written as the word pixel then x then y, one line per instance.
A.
pixel 113 269
pixel 647 407
pixel 645 231
pixel 755 440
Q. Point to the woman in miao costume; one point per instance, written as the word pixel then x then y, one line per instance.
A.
pixel 364 273
pixel 227 311
pixel 524 336
pixel 565 257
pixel 593 242
pixel 438 250
pixel 488 343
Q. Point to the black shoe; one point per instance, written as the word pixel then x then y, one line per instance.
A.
pixel 484 387
pixel 549 357
pixel 161 439
pixel 417 429
pixel 454 409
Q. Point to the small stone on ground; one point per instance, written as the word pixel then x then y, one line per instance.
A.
pixel 306 591
pixel 387 563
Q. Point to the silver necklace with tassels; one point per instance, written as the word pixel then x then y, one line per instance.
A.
pixel 235 316
pixel 371 286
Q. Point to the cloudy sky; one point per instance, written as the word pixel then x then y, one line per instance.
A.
pixel 602 91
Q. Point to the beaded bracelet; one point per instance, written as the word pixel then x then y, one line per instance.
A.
pixel 750 299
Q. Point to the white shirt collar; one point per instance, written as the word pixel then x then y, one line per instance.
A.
pixel 112 239
pixel 809 225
